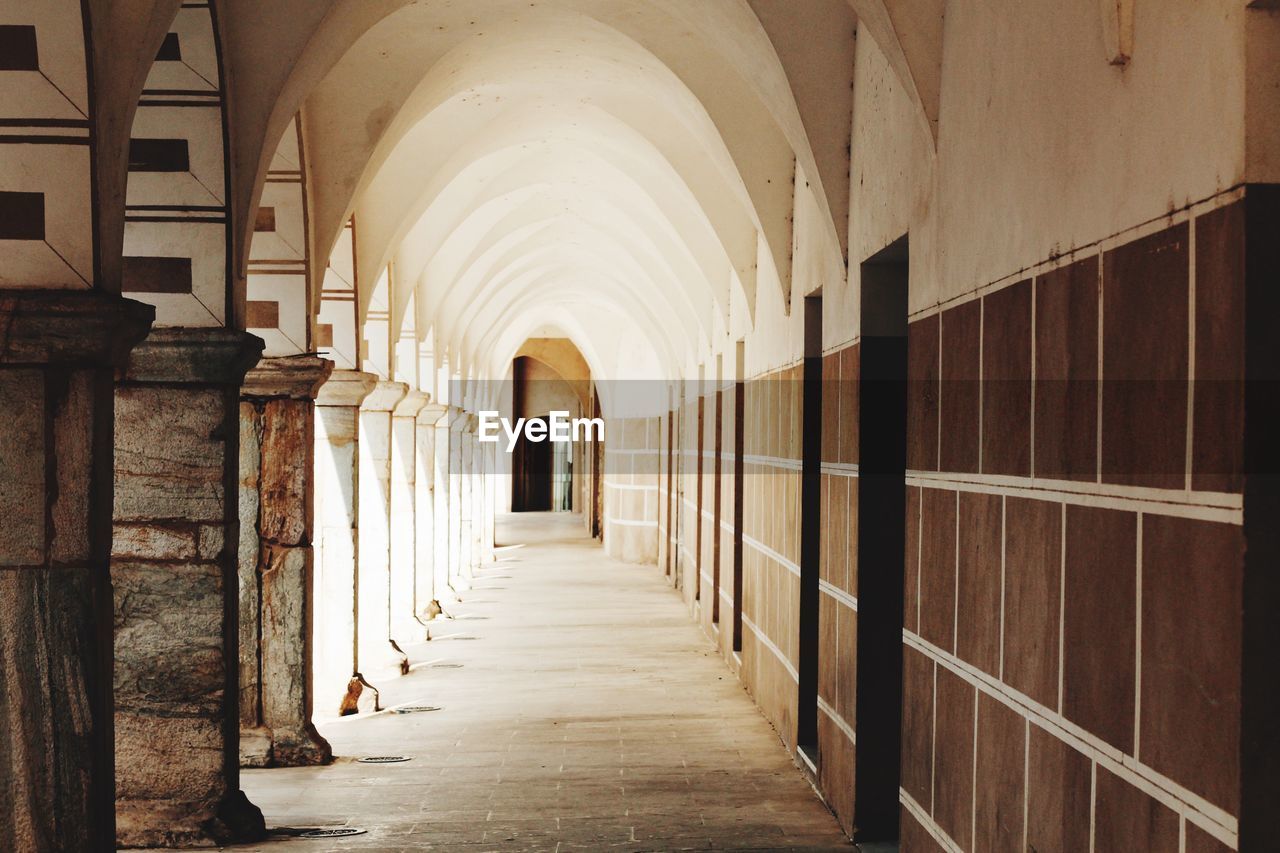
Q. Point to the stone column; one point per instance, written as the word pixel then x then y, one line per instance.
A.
pixel 173 566
pixel 376 655
pixel 477 481
pixel 337 502
pixel 425 590
pixel 405 627
pixel 466 550
pixel 442 488
pixel 456 512
pixel 57 353
pixel 490 499
pixel 277 472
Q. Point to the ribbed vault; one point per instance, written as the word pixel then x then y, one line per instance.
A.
pixel 625 170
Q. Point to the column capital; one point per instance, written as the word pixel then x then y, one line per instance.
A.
pixel 293 377
pixel 457 418
pixel 213 356
pixel 411 404
pixel 431 413
pixel 384 397
pixel 70 327
pixel 346 388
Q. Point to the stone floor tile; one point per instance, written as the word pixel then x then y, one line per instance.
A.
pixel 590 715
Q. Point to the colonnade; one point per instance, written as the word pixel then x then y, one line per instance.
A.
pixel 402 499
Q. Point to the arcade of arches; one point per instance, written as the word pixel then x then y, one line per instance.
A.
pixel 935 342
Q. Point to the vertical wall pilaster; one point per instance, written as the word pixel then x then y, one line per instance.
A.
pixel 57 355
pixel 376 654
pixel 277 473
pixel 1260 694
pixel 337 480
pixel 173 566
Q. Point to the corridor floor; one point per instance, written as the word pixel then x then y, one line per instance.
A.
pixel 580 709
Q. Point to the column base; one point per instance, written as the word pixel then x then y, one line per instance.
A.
pixel 177 823
pixel 299 748
pixel 264 747
pixel 255 746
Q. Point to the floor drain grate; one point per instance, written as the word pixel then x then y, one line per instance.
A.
pixel 340 832
pixel 416 709
pixel 383 759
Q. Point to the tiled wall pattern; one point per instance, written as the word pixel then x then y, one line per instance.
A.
pixel 689 501
pixel 731 494
pixel 711 518
pixel 667 518
pixel 773 434
pixel 630 482
pixel 838 584
pixel 1073 575
pixel 1074 556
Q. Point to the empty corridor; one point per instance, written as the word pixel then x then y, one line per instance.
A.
pixel 579 709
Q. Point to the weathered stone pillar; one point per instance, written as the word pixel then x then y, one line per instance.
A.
pixel 57 353
pixel 173 567
pixel 376 655
pixel 425 588
pixel 405 627
pixel 277 471
pixel 337 502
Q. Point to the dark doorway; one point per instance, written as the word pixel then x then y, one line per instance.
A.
pixel 810 529
pixel 534 475
pixel 882 465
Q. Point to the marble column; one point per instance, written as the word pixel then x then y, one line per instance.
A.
pixel 57 354
pixel 425 590
pixel 276 562
pixel 376 655
pixel 337 504
pixel 173 566
pixel 406 629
